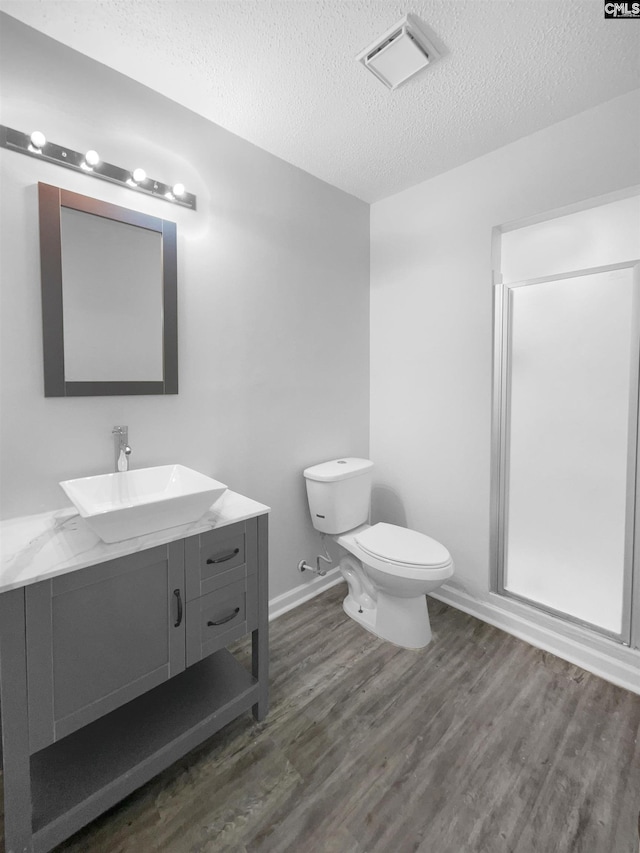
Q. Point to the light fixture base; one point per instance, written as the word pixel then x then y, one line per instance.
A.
pixel 15 140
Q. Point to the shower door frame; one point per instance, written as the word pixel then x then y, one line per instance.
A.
pixel 500 445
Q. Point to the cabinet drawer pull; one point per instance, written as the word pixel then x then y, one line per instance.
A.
pixel 224 557
pixel 226 618
pixel 176 624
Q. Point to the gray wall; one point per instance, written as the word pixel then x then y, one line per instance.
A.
pixel 432 316
pixel 273 301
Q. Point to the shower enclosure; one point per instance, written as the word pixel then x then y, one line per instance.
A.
pixel 565 426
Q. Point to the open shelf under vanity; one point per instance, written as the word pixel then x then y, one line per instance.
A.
pixel 77 778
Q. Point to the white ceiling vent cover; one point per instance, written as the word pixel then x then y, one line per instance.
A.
pixel 400 53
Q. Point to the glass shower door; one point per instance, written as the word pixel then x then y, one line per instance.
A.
pixel 569 403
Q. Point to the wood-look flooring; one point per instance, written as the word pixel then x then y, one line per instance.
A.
pixel 479 743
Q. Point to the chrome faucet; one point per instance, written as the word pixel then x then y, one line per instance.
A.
pixel 121 447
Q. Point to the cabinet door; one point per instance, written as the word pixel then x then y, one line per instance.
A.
pixel 100 636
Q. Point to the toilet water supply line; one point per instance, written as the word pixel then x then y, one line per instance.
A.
pixel 361 589
pixel 318 570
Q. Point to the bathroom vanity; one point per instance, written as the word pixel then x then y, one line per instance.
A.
pixel 114 659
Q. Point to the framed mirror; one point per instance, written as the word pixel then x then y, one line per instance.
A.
pixel 109 298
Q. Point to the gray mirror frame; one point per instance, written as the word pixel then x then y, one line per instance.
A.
pixel 51 199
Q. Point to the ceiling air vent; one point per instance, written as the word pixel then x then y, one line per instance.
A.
pixel 400 53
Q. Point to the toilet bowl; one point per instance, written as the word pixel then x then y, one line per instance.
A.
pixel 388 569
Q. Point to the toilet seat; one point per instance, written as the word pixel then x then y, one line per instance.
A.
pixel 398 546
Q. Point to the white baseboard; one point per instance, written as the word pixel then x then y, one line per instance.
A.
pixel 288 600
pixel 599 655
pixel 603 657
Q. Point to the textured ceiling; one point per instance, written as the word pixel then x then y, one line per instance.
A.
pixel 282 73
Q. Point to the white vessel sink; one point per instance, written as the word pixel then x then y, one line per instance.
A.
pixel 133 503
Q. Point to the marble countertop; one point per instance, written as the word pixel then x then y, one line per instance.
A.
pixel 38 547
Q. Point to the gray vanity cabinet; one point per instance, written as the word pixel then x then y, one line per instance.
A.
pixel 110 673
pixel 101 636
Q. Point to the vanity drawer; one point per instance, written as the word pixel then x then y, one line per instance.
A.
pixel 222 616
pixel 213 556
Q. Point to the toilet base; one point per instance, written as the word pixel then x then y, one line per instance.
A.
pixel 401 621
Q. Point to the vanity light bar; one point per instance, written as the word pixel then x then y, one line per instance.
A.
pixel 35 145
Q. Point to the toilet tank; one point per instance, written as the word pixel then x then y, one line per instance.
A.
pixel 339 494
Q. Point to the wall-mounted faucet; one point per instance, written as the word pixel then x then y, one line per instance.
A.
pixel 121 447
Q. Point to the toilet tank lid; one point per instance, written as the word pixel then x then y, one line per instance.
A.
pixel 338 469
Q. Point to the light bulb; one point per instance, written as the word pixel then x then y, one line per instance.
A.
pixel 92 158
pixel 139 175
pixel 38 139
pixel 178 189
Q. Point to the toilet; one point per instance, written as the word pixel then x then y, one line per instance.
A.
pixel 388 569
